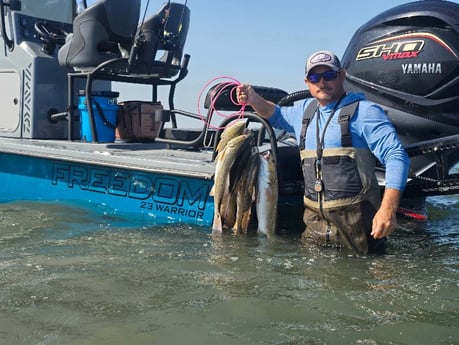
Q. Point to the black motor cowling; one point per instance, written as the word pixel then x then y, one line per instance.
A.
pixel 407 59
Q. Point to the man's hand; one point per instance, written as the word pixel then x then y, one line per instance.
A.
pixel 385 219
pixel 243 92
pixel 247 95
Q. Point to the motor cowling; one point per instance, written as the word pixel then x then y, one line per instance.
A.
pixel 407 58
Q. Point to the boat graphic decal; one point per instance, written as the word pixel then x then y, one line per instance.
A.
pixel 404 46
pixel 165 194
pixel 391 51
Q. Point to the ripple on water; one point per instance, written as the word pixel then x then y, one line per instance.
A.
pixel 69 276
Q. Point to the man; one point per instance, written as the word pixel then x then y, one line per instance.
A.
pixel 339 135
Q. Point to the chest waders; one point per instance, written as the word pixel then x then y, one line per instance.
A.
pixel 341 193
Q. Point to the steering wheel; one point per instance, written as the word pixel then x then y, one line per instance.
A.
pixel 49 33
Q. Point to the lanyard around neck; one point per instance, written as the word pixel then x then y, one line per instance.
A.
pixel 320 139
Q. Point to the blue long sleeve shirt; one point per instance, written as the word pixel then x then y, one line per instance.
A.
pixel 369 128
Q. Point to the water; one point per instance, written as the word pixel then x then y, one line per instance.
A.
pixel 70 276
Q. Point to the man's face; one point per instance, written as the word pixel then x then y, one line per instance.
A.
pixel 325 91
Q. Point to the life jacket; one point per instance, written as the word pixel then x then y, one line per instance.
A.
pixel 340 187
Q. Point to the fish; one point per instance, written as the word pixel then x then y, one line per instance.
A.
pixel 246 193
pixel 225 159
pixel 244 156
pixel 243 177
pixel 231 132
pixel 228 208
pixel 267 195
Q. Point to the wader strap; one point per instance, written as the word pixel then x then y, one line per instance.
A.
pixel 345 116
pixel 308 114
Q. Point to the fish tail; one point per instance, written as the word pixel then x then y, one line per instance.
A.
pixel 217 227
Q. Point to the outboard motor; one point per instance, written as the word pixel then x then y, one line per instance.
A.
pixel 407 60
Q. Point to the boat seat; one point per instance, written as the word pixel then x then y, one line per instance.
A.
pixel 102 32
pixel 163 33
pixel 223 97
pixel 108 43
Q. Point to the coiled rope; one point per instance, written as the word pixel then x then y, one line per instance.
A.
pixel 223 84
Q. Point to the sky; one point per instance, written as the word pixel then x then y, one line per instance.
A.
pixel 259 42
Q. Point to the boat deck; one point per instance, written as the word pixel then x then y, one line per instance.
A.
pixel 150 157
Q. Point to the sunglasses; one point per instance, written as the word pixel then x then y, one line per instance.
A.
pixel 328 76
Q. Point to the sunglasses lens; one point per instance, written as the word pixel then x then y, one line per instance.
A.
pixel 330 75
pixel 314 78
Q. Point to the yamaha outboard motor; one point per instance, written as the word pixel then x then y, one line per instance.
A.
pixel 407 60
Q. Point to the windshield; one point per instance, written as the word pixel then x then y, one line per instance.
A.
pixel 56 10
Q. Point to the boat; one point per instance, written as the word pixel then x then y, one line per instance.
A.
pixel 64 137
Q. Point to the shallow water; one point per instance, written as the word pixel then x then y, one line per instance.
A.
pixel 71 276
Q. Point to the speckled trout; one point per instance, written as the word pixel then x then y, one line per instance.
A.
pixel 234 130
pixel 267 195
pixel 225 161
pixel 246 192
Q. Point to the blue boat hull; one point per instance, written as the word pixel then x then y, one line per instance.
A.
pixel 160 198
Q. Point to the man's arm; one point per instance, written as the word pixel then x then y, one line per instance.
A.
pixel 383 141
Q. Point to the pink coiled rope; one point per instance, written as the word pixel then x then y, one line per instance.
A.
pixel 217 92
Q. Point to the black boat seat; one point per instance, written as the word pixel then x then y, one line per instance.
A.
pixel 223 97
pixel 102 32
pixel 163 33
pixel 108 43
